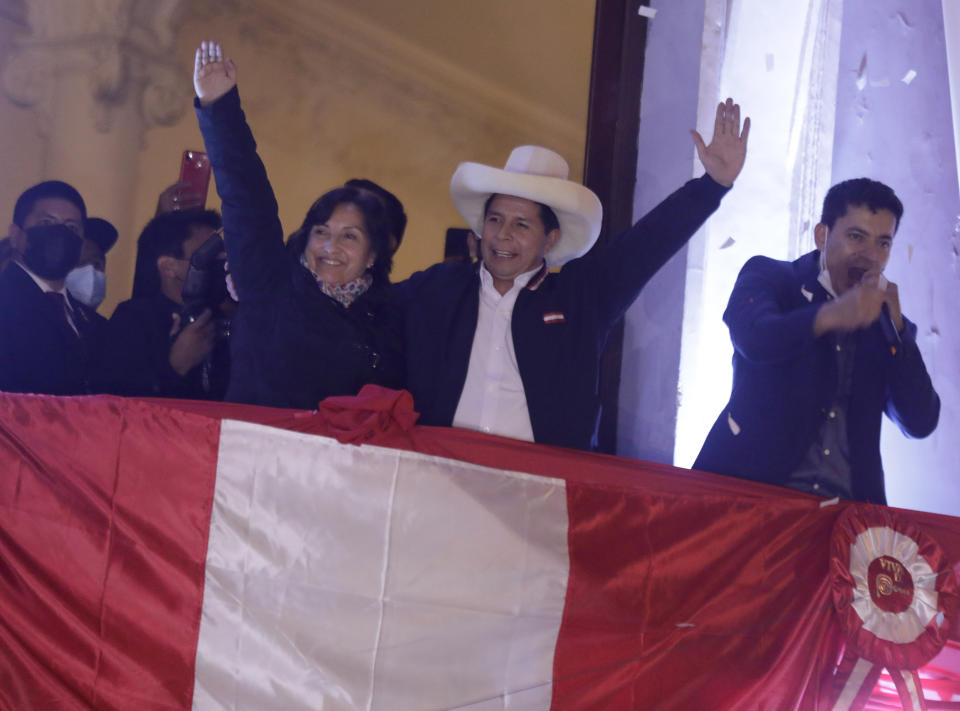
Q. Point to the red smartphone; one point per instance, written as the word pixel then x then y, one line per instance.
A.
pixel 195 171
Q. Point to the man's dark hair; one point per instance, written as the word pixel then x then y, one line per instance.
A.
pixel 47 189
pixel 101 232
pixel 860 192
pixel 396 217
pixel 375 221
pixel 455 245
pixel 164 236
pixel 547 216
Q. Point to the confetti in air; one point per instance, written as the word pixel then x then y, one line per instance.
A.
pixel 955 245
pixel 862 74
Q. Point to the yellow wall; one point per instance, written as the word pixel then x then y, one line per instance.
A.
pixel 332 95
pixel 20 144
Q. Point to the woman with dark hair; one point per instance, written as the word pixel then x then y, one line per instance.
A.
pixel 315 318
pixel 148 349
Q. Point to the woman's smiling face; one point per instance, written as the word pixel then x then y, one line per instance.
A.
pixel 339 250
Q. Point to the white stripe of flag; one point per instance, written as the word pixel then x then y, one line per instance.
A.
pixel 329 584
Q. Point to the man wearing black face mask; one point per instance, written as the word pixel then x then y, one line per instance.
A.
pixel 46 336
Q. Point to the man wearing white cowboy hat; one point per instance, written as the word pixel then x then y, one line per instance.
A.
pixel 507 347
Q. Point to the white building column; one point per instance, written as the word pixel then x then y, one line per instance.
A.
pixel 951 32
pixel 778 59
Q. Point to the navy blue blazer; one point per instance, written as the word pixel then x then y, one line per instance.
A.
pixel 558 357
pixel 39 352
pixel 785 380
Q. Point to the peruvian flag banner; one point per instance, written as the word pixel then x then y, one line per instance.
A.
pixel 175 555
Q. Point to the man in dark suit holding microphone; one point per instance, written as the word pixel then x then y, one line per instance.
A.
pixel 821 350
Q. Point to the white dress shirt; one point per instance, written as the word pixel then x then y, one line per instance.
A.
pixel 493 399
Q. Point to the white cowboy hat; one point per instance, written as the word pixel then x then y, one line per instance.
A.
pixel 536 174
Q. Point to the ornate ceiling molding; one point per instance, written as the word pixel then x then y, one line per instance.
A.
pixel 397 58
pixel 123 49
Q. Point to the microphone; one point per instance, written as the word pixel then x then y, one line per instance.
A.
pixel 890 334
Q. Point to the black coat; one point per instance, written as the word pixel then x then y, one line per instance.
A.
pixel 785 381
pixel 558 358
pixel 291 345
pixel 135 356
pixel 39 352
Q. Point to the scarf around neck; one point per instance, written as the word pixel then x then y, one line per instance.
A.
pixel 345 293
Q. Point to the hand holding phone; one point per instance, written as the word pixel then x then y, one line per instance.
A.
pixel 173 196
pixel 194 181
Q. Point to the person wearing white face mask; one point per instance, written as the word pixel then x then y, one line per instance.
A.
pixel 87 282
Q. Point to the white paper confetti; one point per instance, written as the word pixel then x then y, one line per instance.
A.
pixel 769 61
pixel 862 73
pixel 730 241
pixel 830 502
pixel 909 77
pixel 881 83
pixel 909 252
pixel 645 11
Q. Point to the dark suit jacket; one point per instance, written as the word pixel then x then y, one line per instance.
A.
pixel 785 380
pixel 39 352
pixel 558 357
pixel 135 356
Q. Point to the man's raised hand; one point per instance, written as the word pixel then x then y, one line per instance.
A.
pixel 723 158
pixel 213 76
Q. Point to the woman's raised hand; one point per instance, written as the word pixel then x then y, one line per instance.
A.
pixel 213 76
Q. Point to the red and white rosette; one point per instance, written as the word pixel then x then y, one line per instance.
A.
pixel 896 596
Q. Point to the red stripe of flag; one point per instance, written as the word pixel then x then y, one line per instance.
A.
pixel 102 548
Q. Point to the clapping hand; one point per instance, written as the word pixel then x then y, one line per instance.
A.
pixel 723 158
pixel 213 76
